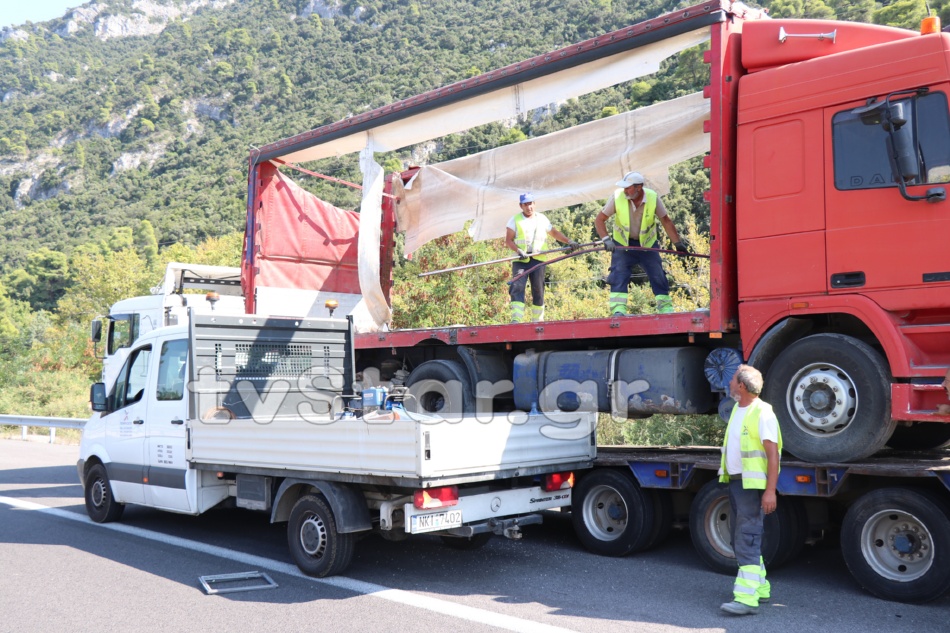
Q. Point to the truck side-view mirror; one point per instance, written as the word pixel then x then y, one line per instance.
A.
pixel 98 398
pixel 95 330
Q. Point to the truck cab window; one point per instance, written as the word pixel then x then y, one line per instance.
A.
pixel 130 385
pixel 861 148
pixel 171 370
pixel 123 331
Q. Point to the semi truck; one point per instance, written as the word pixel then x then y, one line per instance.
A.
pixel 260 413
pixel 827 144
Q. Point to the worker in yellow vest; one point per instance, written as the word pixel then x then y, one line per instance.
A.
pixel 636 210
pixel 750 465
pixel 526 233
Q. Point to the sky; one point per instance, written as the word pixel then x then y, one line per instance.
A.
pixel 16 12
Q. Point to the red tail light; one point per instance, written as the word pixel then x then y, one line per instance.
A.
pixel 558 481
pixel 436 497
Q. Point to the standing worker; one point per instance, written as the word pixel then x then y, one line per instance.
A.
pixel 634 205
pixel 750 465
pixel 525 235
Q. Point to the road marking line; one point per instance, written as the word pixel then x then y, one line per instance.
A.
pixel 444 607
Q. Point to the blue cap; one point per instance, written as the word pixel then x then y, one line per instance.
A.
pixel 526 198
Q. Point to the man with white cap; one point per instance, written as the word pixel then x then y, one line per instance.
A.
pixel 525 235
pixel 633 205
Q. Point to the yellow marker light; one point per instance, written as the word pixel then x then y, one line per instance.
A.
pixel 661 474
pixel 930 25
pixel 803 479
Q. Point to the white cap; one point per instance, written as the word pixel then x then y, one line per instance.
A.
pixel 632 178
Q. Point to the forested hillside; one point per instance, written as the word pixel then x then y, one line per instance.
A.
pixel 125 128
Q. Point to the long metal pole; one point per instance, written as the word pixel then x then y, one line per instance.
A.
pixel 502 260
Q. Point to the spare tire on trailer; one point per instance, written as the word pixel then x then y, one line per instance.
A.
pixel 832 396
pixel 441 387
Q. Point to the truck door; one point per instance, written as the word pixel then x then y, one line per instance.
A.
pixel 879 243
pixel 170 481
pixel 125 428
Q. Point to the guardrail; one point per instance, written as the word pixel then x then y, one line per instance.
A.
pixel 25 421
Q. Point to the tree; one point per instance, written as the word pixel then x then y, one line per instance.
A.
pixel 147 243
pixel 905 14
pixel 50 270
pixel 100 280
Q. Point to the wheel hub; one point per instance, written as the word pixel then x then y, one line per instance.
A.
pixel 313 536
pixel 98 493
pixel 605 513
pixel 822 399
pixel 897 545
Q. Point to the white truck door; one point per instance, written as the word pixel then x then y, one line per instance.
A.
pixel 125 428
pixel 170 482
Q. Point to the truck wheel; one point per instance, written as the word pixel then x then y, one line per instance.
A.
pixel 612 515
pixel 920 437
pixel 663 517
pixel 441 387
pixel 832 396
pixel 710 528
pixel 315 545
pixel 476 541
pixel 896 543
pixel 101 505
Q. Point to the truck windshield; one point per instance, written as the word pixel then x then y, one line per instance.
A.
pixel 861 151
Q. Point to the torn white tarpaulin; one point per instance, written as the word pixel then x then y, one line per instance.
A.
pixel 372 313
pixel 576 165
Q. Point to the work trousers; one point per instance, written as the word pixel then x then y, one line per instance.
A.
pixel 517 289
pixel 621 267
pixel 748 526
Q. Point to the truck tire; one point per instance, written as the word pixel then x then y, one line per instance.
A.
pixel 101 505
pixel 441 387
pixel 612 515
pixel 476 541
pixel 896 543
pixel 921 436
pixel 832 396
pixel 663 517
pixel 710 528
pixel 315 545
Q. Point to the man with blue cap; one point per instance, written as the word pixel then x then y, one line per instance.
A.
pixel 636 211
pixel 525 235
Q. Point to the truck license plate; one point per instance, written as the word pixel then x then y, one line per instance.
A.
pixel 436 521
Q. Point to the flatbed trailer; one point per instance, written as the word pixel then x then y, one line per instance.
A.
pixel 889 512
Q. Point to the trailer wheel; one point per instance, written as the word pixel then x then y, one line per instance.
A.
pixel 315 545
pixel 101 505
pixel 831 394
pixel 896 543
pixel 476 541
pixel 612 515
pixel 710 528
pixel 663 517
pixel 920 437
pixel 441 387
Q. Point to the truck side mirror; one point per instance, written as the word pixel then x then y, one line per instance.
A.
pixel 902 143
pixel 95 332
pixel 98 398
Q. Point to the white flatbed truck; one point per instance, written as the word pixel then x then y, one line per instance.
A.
pixel 259 411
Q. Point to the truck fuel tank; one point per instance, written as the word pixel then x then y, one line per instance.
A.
pixel 624 381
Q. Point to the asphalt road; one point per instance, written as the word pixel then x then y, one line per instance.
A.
pixel 61 572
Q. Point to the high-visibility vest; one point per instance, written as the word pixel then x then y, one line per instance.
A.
pixel 755 462
pixel 534 243
pixel 622 219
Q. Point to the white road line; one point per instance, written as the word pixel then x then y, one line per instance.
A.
pixel 444 607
